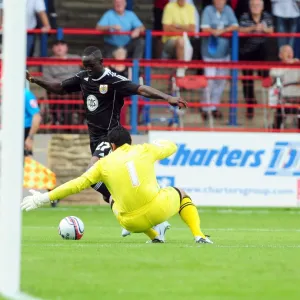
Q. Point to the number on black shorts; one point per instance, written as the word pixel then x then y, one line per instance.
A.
pixel 103 148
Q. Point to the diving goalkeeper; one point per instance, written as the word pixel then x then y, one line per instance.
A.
pixel 138 201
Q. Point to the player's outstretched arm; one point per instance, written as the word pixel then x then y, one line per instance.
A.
pixel 90 177
pixel 69 188
pixel 162 149
pixel 149 92
pixel 51 86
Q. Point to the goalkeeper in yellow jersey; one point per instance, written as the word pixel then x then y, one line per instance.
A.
pixel 138 201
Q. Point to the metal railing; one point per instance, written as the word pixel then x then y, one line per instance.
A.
pixel 148 63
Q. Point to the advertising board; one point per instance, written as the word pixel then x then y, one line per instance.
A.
pixel 233 169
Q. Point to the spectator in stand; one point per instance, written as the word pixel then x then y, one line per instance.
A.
pixel 120 19
pixel 254 48
pixel 121 54
pixel 34 8
pixel 217 19
pixel 60 50
pixel 290 79
pixel 287 15
pixel 242 6
pixel 195 42
pixel 197 17
pixel 60 73
pixel 159 6
pixel 178 17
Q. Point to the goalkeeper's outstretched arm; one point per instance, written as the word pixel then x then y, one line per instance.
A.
pixel 92 176
pixel 161 149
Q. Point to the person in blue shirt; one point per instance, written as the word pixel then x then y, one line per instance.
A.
pixel 32 120
pixel 120 19
pixel 217 19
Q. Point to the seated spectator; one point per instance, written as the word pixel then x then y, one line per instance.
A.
pixel 197 17
pixel 60 50
pixel 194 40
pixel 287 15
pixel 242 6
pixel 120 19
pixel 158 8
pixel 290 80
pixel 254 48
pixel 217 19
pixel 62 113
pixel 121 54
pixel 178 17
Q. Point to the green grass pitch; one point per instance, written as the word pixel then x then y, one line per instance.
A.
pixel 256 255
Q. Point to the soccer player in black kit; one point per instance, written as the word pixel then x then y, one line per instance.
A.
pixel 103 94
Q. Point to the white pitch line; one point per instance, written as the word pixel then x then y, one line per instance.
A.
pixel 141 244
pixel 241 211
pixel 255 229
pixel 258 246
pixel 21 296
pixel 185 228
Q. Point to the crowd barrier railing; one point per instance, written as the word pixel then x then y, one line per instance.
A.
pixel 148 63
pixel 156 114
pixel 150 34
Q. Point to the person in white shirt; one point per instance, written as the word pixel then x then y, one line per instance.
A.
pixel 33 8
pixel 287 13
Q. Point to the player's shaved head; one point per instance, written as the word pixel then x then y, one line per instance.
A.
pixel 92 61
pixel 93 51
pixel 119 136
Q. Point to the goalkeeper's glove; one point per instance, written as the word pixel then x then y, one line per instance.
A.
pixel 36 200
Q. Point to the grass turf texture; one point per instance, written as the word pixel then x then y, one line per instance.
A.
pixel 256 254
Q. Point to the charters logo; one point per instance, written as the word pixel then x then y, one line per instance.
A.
pixel 282 160
pixel 285 160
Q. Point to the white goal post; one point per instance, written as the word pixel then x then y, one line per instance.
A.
pixel 12 142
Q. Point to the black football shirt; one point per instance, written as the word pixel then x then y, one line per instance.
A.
pixel 103 99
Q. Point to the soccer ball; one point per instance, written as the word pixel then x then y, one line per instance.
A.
pixel 71 228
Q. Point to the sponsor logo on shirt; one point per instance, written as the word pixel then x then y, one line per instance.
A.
pixel 92 103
